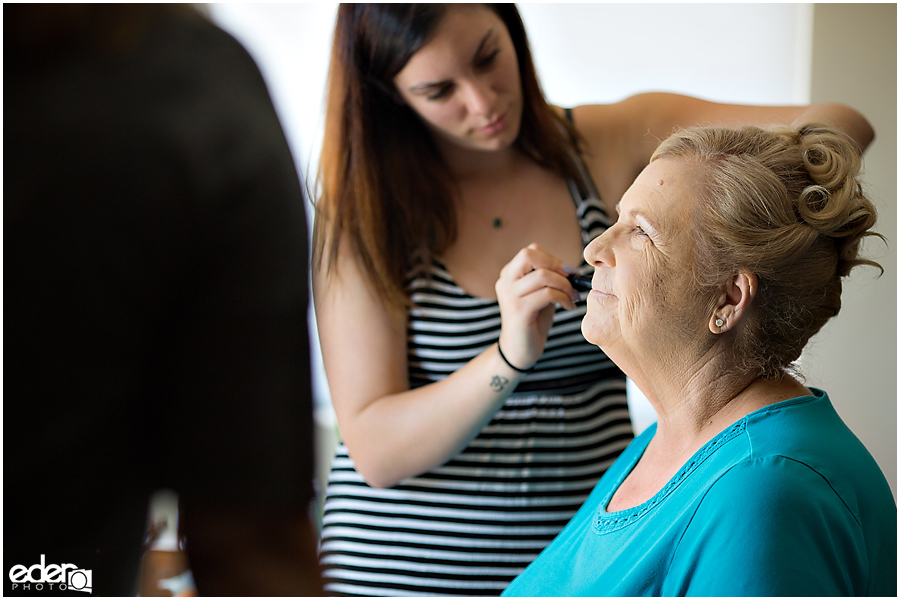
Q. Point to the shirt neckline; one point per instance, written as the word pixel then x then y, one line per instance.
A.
pixel 605 522
pixel 583 268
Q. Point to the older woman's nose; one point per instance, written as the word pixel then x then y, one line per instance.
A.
pixel 599 251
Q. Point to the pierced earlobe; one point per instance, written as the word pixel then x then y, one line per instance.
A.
pixel 733 303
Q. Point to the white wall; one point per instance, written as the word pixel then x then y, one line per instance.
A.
pixel 854 357
pixel 584 53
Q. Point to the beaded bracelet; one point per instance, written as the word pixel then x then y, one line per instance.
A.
pixel 512 366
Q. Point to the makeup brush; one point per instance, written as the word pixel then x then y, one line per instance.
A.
pixel 581 283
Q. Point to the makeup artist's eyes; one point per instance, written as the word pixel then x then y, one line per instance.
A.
pixel 482 64
pixel 443 92
pixel 488 60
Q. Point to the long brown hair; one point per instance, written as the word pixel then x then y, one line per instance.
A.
pixel 384 191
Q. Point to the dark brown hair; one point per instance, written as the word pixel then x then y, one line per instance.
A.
pixel 34 34
pixel 384 191
pixel 786 204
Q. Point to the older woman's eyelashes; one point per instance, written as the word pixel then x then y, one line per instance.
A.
pixel 642 236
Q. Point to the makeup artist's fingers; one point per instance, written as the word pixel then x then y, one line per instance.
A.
pixel 538 288
pixel 529 258
pixel 528 290
pixel 531 269
pixel 545 280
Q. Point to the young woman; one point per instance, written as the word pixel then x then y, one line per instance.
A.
pixel 454 202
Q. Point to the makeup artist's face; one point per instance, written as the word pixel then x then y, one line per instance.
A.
pixel 643 299
pixel 464 83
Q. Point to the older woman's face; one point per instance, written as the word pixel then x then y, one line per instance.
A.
pixel 464 83
pixel 643 299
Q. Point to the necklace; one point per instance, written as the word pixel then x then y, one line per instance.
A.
pixel 497 220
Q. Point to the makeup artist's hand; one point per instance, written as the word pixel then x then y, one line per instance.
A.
pixel 528 290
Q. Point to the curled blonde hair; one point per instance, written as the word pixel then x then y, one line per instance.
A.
pixel 786 204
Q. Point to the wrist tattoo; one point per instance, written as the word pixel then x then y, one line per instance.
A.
pixel 499 383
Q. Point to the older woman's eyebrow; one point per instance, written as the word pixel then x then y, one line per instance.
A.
pixel 637 212
pixel 424 87
pixel 631 213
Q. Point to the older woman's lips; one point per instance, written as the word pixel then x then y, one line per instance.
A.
pixel 601 294
pixel 494 126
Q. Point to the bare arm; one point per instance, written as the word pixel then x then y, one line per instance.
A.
pixel 392 432
pixel 621 137
pixel 665 112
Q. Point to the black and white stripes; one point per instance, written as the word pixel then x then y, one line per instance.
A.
pixel 471 525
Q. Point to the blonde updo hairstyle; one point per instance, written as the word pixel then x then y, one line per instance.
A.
pixel 787 205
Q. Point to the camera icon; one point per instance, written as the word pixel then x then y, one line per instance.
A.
pixel 80 580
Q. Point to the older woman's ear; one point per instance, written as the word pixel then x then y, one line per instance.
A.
pixel 734 302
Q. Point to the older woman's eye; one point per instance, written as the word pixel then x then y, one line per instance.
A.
pixel 640 231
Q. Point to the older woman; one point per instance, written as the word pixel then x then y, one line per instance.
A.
pixel 726 258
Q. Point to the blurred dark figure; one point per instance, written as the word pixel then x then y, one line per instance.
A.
pixel 155 280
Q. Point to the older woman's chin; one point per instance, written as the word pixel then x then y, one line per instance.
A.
pixel 608 339
pixel 593 332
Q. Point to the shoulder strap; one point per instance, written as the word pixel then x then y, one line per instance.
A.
pixel 585 174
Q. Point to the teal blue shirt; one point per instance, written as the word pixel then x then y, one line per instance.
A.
pixel 785 502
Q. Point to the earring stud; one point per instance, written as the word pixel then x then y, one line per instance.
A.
pixel 719 322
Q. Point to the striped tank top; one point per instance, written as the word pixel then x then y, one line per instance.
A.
pixel 469 526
